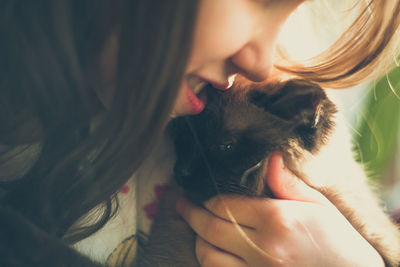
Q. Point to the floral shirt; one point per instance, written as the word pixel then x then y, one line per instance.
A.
pixel 115 244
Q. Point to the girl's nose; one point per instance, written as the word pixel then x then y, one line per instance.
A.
pixel 255 59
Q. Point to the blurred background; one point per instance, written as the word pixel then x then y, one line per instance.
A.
pixel 377 137
pixel 372 109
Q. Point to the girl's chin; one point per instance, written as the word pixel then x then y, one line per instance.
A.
pixel 180 109
pixel 177 113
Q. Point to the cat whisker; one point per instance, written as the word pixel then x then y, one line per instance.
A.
pixel 243 179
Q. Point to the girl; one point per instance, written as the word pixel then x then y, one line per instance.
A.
pixel 88 87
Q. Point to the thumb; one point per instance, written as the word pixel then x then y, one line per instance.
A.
pixel 284 184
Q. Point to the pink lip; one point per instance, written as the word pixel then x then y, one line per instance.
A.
pixel 196 103
pixel 219 86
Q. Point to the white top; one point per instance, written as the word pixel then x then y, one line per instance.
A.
pixel 115 244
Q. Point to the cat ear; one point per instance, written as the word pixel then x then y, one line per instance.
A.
pixel 297 100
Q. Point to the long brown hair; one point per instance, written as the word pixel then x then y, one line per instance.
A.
pixel 47 97
pixel 366 50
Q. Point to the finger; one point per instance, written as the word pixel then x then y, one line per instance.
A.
pixel 285 185
pixel 217 231
pixel 246 211
pixel 209 255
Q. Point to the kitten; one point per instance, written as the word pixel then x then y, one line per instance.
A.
pixel 225 149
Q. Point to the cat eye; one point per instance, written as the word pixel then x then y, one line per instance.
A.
pixel 226 147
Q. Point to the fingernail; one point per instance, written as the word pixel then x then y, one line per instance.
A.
pixel 281 162
pixel 277 159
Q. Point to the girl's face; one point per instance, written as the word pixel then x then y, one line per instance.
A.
pixel 231 37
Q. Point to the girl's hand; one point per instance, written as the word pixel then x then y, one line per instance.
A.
pixel 300 228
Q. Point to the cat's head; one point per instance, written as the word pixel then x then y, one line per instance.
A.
pixel 224 148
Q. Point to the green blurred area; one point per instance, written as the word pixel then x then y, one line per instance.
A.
pixel 378 126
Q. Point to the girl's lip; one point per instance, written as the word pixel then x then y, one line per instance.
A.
pixel 217 85
pixel 221 85
pixel 196 103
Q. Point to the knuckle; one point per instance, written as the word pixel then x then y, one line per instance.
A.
pixel 221 205
pixel 204 254
pixel 216 205
pixel 213 227
pixel 278 254
pixel 278 251
pixel 280 217
pixel 271 211
pixel 207 260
